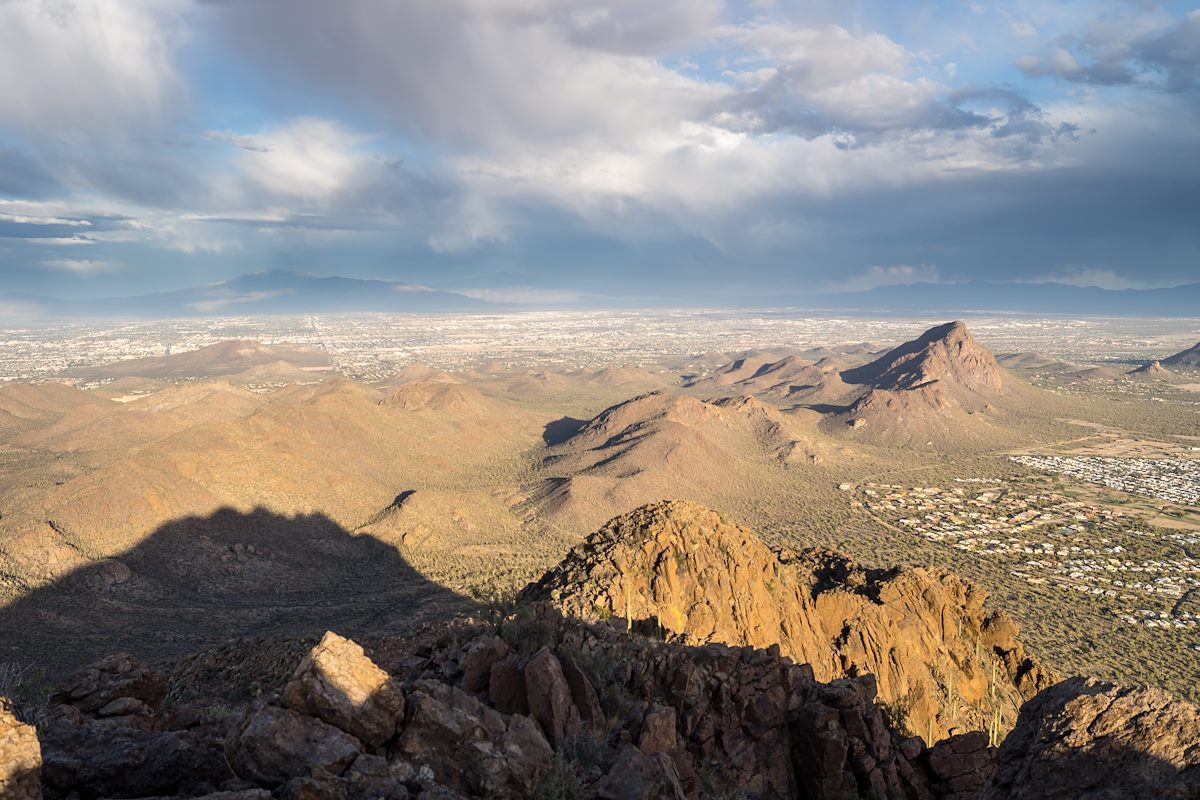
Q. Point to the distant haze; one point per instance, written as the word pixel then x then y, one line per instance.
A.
pixel 287 293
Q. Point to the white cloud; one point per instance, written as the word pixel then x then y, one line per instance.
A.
pixel 35 212
pixel 1023 28
pixel 309 159
pixel 78 265
pixel 1098 277
pixel 891 275
pixel 87 67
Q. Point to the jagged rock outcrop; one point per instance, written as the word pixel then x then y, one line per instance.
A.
pixel 472 748
pixel 1088 739
pixel 942 661
pixel 20 757
pixel 1154 371
pixel 542 703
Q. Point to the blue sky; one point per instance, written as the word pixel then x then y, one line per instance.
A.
pixel 556 150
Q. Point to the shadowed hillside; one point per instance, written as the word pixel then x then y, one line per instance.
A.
pixel 198 581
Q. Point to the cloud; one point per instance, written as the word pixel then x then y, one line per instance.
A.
pixel 509 73
pixel 1133 52
pixel 78 265
pixel 309 158
pixel 33 212
pixel 1023 28
pixel 1099 277
pixel 594 144
pixel 895 274
pixel 84 68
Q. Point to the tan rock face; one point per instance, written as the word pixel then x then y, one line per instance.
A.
pixel 942 661
pixel 1084 738
pixel 338 684
pixel 20 758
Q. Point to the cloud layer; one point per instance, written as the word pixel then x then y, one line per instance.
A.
pixel 569 149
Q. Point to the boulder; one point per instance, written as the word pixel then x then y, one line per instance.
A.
pixel 338 684
pixel 548 695
pixel 637 776
pixel 114 677
pixel 506 686
pixel 271 745
pixel 1084 738
pixel 583 693
pixel 20 757
pixel 961 765
pixel 375 778
pixel 658 731
pixel 477 665
pixel 471 748
pixel 93 759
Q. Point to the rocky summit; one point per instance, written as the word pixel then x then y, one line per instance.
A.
pixel 937 387
pixel 672 655
pixel 942 661
pixel 947 354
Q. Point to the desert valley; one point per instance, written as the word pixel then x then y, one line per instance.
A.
pixel 961 527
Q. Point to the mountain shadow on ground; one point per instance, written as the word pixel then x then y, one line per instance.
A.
pixel 201 580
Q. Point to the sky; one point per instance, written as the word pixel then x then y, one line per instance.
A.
pixel 557 151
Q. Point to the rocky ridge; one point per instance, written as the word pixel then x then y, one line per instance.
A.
pixel 1185 358
pixel 940 658
pixel 537 703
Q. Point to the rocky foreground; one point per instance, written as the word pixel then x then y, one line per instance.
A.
pixel 538 704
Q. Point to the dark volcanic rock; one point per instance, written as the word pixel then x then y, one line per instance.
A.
pixel 271 745
pixel 97 760
pixel 1084 738
pixel 112 678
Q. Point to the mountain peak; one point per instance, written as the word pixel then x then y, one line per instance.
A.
pixel 1185 358
pixel 946 354
pixel 685 571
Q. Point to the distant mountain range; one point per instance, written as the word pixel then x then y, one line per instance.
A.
pixel 1036 298
pixel 274 292
pixel 282 292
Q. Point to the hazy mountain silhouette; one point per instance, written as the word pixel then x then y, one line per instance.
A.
pixel 273 292
pixel 1040 298
pixel 199 581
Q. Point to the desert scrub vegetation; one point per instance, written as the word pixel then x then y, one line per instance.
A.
pixel 27 690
